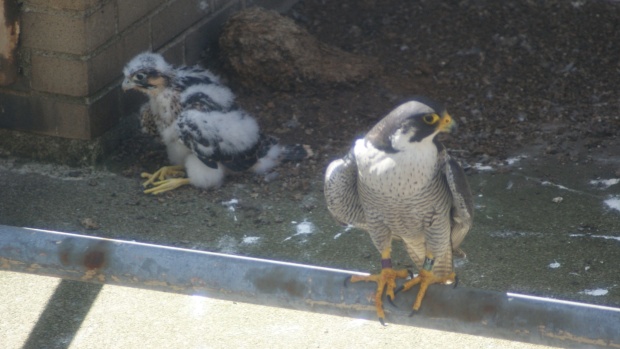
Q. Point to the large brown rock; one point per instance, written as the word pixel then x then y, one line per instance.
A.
pixel 263 47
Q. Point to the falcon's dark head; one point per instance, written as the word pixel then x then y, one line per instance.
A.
pixel 148 73
pixel 415 122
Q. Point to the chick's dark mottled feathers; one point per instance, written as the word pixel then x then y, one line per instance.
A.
pixel 217 131
pixel 205 132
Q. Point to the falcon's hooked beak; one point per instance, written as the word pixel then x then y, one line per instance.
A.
pixel 127 85
pixel 446 124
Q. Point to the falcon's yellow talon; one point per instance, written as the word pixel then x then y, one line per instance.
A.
pixel 386 281
pixel 162 174
pixel 426 278
pixel 166 185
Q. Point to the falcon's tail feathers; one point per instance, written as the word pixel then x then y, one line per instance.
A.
pixel 273 153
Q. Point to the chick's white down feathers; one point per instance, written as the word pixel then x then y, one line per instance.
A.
pixel 221 95
pixel 199 122
pixel 145 61
pixel 229 133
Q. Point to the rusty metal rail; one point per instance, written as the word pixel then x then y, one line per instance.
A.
pixel 466 310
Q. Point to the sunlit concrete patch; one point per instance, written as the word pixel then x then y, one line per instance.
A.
pixel 22 301
pixel 124 317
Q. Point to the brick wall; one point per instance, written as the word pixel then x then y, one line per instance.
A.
pixel 72 52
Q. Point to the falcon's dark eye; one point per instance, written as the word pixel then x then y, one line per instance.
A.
pixel 430 119
pixel 140 76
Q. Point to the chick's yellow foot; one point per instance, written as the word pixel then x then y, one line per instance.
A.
pixel 425 278
pixel 162 174
pixel 166 185
pixel 386 281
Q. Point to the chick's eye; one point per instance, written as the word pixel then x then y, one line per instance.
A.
pixel 140 76
pixel 431 119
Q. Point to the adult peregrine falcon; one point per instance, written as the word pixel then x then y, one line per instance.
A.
pixel 399 182
pixel 205 132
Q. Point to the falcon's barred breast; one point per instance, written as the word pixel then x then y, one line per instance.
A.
pixel 400 182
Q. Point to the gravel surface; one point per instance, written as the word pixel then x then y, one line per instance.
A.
pixel 534 77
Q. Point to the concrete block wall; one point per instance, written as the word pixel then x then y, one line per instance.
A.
pixel 71 54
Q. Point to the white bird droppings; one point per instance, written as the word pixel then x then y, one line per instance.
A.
pixel 250 240
pixel 480 167
pixel 346 229
pixel 605 183
pixel 595 292
pixel 303 228
pixel 231 205
pixel 551 184
pixel 613 203
pixel 514 160
pixel 606 237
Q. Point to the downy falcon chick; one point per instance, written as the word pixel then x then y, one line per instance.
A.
pixel 399 182
pixel 205 132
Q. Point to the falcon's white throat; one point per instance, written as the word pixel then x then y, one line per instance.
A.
pixel 410 168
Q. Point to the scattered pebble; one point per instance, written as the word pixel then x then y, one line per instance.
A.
pixel 271 176
pixel 89 224
pixel 558 199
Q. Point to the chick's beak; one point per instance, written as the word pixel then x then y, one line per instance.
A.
pixel 127 84
pixel 446 124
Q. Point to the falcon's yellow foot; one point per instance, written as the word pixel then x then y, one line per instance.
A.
pixel 425 278
pixel 162 174
pixel 166 185
pixel 386 281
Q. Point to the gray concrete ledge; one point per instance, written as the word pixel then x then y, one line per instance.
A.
pixel 301 287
